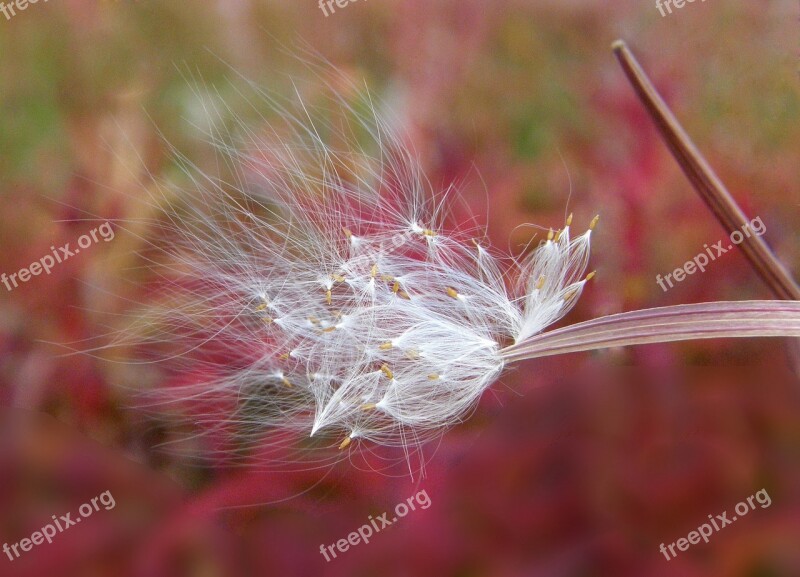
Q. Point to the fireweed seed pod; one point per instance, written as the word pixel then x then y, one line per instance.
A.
pixel 310 293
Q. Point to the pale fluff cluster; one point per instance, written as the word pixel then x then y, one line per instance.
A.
pixel 319 288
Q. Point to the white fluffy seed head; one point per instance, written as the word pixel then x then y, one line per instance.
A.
pixel 316 287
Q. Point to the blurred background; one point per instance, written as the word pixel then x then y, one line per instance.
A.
pixel 572 466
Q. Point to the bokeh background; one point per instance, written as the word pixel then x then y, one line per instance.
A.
pixel 572 467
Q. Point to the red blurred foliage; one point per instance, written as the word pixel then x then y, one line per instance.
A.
pixel 572 466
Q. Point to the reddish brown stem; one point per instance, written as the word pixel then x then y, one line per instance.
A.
pixel 704 180
pixel 709 186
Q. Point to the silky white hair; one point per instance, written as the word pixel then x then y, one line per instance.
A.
pixel 314 286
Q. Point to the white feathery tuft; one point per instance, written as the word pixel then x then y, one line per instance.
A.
pixel 317 288
pixel 312 291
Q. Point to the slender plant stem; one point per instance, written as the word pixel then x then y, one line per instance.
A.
pixel 705 181
pixel 665 324
pixel 709 186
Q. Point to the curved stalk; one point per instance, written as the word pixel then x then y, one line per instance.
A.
pixel 665 324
